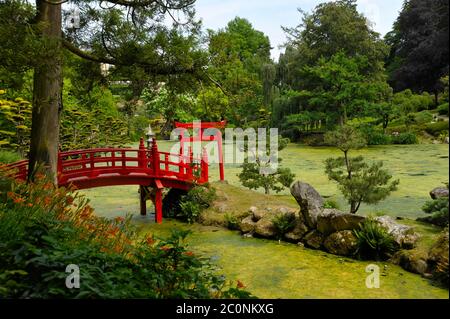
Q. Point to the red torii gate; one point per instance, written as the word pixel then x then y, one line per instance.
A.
pixel 201 137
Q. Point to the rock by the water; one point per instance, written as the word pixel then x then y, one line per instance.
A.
pixel 343 243
pixel 410 262
pixel 403 235
pixel 314 239
pixel 309 200
pixel 252 209
pixel 265 228
pixel 438 259
pixel 247 225
pixel 332 220
pixel 439 192
pixel 298 232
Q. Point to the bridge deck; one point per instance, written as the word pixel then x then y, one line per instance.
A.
pixel 125 166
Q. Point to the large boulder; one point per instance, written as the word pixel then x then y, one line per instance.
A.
pixel 404 236
pixel 439 192
pixel 298 232
pixel 410 261
pixel 314 239
pixel 332 220
pixel 343 243
pixel 309 200
pixel 247 225
pixel 438 259
pixel 265 228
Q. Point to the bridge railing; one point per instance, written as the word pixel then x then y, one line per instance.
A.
pixel 91 163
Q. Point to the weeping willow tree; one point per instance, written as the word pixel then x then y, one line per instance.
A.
pixel 123 33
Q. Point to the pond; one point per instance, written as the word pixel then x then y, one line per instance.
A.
pixel 273 270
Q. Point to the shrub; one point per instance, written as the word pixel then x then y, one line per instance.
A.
pixel 231 221
pixel 374 241
pixel 196 200
pixel 331 204
pixel 283 223
pixel 405 138
pixel 443 109
pixel 438 209
pixel 44 229
pixel 424 117
pixel 375 136
pixel 436 128
pixel 7 157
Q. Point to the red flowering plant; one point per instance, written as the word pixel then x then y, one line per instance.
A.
pixel 43 229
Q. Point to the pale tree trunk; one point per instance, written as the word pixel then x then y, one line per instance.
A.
pixel 47 93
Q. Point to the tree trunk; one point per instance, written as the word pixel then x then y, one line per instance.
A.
pixel 47 93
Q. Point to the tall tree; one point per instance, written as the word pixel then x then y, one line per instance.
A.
pixel 123 33
pixel 419 43
pixel 335 27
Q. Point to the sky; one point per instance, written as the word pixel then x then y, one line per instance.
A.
pixel 269 15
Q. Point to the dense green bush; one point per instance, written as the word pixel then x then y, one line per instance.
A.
pixel 375 136
pixel 331 203
pixel 405 138
pixel 195 201
pixel 423 117
pixel 8 157
pixel 43 230
pixel 438 210
pixel 374 241
pixel 231 221
pixel 436 129
pixel 443 109
pixel 283 223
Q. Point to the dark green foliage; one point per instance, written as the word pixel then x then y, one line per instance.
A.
pixel 419 46
pixel 231 221
pixel 443 109
pixel 7 157
pixel 330 203
pixel 436 129
pixel 195 201
pixel 375 136
pixel 374 242
pixel 438 209
pixel 283 223
pixel 405 138
pixel 42 230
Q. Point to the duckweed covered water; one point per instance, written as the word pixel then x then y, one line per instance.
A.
pixel 273 270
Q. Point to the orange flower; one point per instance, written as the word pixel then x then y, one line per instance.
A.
pixel 119 219
pixel 69 200
pixel 150 241
pixel 165 248
pixel 19 200
pixel 11 194
pixel 47 201
pixel 240 285
pixel 189 253
pixel 30 204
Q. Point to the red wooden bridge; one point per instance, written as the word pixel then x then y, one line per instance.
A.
pixel 149 168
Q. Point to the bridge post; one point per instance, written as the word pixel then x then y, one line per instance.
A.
pixel 204 165
pixel 155 158
pixel 190 160
pixel 143 200
pixel 158 206
pixel 221 164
